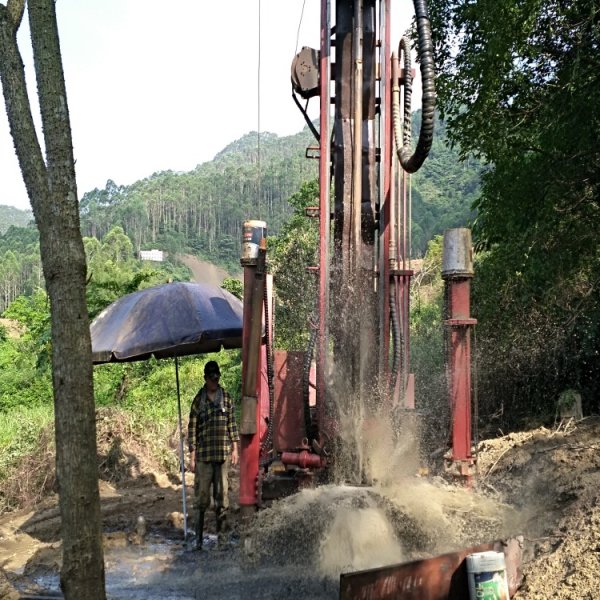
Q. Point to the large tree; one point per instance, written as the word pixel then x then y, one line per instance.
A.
pixel 52 191
pixel 519 86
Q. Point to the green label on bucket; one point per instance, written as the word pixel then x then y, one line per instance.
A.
pixel 490 586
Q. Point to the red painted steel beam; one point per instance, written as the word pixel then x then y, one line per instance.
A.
pixel 303 459
pixel 460 322
pixel 440 578
pixel 324 211
pixel 249 443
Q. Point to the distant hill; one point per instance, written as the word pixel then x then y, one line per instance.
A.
pixel 9 215
pixel 200 213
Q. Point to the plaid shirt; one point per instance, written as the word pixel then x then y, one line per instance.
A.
pixel 212 428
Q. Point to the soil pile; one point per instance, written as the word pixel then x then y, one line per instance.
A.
pixel 552 478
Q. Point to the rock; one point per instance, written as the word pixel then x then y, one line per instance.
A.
pixel 7 591
pixel 175 519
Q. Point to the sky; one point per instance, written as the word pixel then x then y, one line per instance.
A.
pixel 155 86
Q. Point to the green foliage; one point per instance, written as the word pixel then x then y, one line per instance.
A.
pixel 22 383
pixel 34 313
pixel 427 352
pixel 149 388
pixel 233 286
pixel 114 271
pixel 111 382
pixel 444 190
pixel 519 86
pixel 25 361
pixel 20 430
pixel 31 311
pixel 290 253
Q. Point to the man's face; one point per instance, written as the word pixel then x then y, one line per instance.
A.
pixel 212 381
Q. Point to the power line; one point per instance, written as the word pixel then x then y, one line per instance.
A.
pixel 299 26
pixel 259 186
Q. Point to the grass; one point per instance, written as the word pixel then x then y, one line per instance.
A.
pixel 26 449
pixel 136 420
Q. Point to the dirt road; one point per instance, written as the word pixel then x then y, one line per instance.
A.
pixel 203 271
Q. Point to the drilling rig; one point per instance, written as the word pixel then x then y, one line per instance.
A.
pixel 356 368
pixel 357 364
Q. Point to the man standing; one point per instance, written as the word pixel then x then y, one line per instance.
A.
pixel 213 442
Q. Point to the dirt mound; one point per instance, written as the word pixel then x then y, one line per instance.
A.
pixel 552 477
pixel 13 328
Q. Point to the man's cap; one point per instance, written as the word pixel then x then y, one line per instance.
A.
pixel 211 368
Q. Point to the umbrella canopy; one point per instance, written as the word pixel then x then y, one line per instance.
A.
pixel 174 319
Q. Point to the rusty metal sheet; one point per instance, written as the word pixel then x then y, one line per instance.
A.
pixel 289 427
pixel 443 577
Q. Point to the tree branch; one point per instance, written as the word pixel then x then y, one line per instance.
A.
pixel 18 108
pixel 15 9
pixel 53 101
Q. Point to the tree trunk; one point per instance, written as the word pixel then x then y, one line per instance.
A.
pixel 53 193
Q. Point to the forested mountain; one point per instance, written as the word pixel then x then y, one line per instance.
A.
pixel 9 215
pixel 443 190
pixel 202 211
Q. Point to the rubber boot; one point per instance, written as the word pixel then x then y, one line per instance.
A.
pixel 220 521
pixel 199 529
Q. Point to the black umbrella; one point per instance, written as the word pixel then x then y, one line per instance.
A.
pixel 174 319
pixel 170 320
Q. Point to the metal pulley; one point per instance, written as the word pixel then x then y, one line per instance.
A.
pixel 305 73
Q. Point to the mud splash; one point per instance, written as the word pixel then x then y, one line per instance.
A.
pixel 335 529
pixel 399 516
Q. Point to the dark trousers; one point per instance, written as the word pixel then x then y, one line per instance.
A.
pixel 215 475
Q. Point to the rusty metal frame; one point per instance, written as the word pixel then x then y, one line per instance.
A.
pixel 440 578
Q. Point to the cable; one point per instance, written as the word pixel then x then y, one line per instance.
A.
pixel 397 338
pixel 268 441
pixel 306 117
pixel 299 25
pixel 311 434
pixel 259 182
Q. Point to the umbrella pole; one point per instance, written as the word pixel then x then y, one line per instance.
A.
pixel 181 455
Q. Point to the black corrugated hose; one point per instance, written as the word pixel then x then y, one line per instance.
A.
pixel 266 445
pixel 396 339
pixel 412 162
pixel 306 117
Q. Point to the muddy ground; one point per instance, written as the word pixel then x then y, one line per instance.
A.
pixel 546 481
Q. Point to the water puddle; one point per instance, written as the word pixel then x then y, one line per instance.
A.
pixel 167 570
